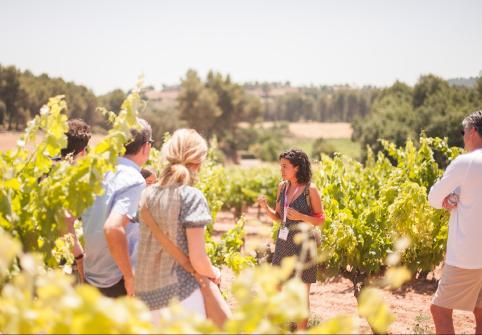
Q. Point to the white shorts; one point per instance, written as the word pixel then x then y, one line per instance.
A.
pixel 459 289
pixel 194 304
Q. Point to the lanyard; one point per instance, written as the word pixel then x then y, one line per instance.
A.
pixel 286 204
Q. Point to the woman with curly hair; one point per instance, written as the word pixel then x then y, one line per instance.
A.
pixel 297 200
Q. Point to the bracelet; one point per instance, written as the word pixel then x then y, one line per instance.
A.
pixel 79 257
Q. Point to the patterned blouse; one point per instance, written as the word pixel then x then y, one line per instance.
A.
pixel 159 277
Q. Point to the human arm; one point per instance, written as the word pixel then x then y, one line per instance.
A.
pixel 77 249
pixel 318 216
pixel 115 235
pixel 124 207
pixel 197 254
pixel 273 214
pixel 451 179
pixel 194 216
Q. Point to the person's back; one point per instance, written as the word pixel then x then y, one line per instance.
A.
pixel 100 268
pixel 180 211
pixel 159 277
pixel 107 263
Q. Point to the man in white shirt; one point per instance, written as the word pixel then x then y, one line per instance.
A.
pixel 460 192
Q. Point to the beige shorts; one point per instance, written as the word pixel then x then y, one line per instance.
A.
pixel 459 289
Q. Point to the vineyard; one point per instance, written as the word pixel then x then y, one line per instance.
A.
pixel 380 232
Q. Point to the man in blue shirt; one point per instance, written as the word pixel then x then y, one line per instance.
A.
pixel 107 263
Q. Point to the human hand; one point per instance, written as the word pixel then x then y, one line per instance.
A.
pixel 80 270
pixel 263 203
pixel 217 279
pixel 129 285
pixel 448 205
pixel 294 215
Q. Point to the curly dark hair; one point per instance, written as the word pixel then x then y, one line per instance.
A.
pixel 300 159
pixel 78 137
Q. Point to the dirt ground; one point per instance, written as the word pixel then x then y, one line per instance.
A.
pixel 309 130
pixel 319 129
pixel 410 304
pixel 314 130
pixel 8 140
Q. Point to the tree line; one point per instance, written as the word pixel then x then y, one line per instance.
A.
pixel 22 94
pixel 216 105
pixel 320 103
pixel 212 101
pixel 432 106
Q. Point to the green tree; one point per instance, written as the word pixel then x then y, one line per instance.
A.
pixel 162 120
pixel 3 111
pixel 478 88
pixel 198 106
pixel 113 100
pixel 216 107
pixel 431 107
pixel 426 86
pixel 10 93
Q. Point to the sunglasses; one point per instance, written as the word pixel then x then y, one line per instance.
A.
pixel 466 130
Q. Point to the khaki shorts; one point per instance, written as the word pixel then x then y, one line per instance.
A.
pixel 459 289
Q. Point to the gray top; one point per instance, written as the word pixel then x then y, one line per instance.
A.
pixel 159 277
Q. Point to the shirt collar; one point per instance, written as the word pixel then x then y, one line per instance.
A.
pixel 128 162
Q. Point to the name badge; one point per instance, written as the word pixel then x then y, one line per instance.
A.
pixel 283 233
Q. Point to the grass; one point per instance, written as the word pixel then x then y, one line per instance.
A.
pixel 346 146
pixel 342 145
pixel 422 324
pixel 305 144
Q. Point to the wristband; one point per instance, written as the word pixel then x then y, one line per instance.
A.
pixel 319 215
pixel 79 257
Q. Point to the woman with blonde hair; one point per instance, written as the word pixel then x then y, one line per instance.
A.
pixel 181 212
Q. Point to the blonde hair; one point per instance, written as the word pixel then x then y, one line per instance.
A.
pixel 185 149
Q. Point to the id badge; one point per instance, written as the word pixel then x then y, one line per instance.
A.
pixel 283 233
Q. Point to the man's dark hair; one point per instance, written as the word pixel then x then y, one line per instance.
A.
pixel 300 159
pixel 139 137
pixel 146 172
pixel 474 120
pixel 78 137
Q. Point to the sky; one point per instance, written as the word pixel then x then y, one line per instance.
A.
pixel 107 44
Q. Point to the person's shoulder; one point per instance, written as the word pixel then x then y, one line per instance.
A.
pixel 127 176
pixel 190 192
pixel 312 187
pixel 463 159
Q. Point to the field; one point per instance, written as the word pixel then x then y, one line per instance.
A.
pixel 8 140
pixel 344 146
pixel 303 136
pixel 314 130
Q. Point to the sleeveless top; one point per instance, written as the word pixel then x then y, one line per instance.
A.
pixel 289 247
pixel 159 278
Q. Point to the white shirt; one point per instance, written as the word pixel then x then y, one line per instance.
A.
pixel 464 177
